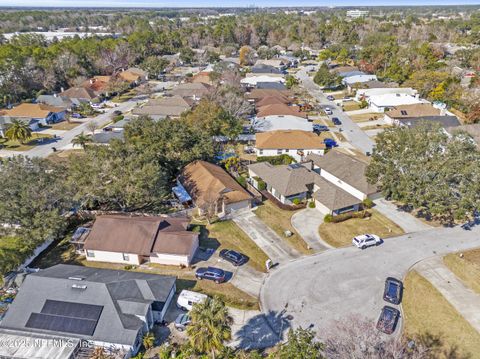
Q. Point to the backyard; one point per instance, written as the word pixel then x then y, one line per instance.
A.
pixel 341 234
pixel 280 221
pixel 36 139
pixel 427 313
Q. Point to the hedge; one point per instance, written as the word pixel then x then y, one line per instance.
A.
pixel 344 216
pixel 277 160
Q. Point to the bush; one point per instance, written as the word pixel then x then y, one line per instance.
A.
pixel 262 186
pixel 277 160
pixel 311 204
pixel 328 218
pixel 344 216
pixel 296 201
pixel 117 118
pixel 242 181
pixel 367 203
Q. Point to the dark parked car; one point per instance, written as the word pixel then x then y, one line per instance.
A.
pixel 211 273
pixel 237 259
pixel 320 128
pixel 336 121
pixel 117 112
pixel 77 115
pixel 182 321
pixel 330 143
pixel 388 319
pixel 393 290
pixel 330 98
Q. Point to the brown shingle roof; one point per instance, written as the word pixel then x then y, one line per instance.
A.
pixel 171 101
pixel 333 197
pixel 191 89
pixel 98 84
pixel 206 182
pixel 271 100
pixel 348 168
pixel 140 235
pixel 174 111
pixel 411 111
pixel 32 110
pixel 257 94
pixel 280 109
pixel 288 139
pixel 81 93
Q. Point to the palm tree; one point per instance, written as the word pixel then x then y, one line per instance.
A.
pixel 18 131
pixel 210 326
pixel 148 340
pixel 81 140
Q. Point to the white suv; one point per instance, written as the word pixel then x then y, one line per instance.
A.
pixel 366 240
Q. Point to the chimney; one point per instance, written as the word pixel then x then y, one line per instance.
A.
pixel 55 95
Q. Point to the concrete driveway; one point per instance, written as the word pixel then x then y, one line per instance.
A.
pixel 350 129
pixel 348 281
pixel 275 247
pixel 405 220
pixel 306 223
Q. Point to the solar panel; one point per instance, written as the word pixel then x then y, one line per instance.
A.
pixel 61 324
pixel 66 317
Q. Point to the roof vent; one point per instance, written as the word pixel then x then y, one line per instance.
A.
pixel 76 278
pixel 78 286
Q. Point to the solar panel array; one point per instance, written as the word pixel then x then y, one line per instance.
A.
pixel 67 317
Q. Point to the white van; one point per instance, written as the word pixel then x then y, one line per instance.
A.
pixel 187 299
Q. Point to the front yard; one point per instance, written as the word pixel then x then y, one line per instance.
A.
pixel 341 234
pixel 65 125
pixel 37 139
pixel 467 269
pixel 427 313
pixel 280 221
pixel 351 106
pixel 363 117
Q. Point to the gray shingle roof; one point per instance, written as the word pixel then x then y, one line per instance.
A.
pixel 443 121
pixel 123 295
pixel 333 197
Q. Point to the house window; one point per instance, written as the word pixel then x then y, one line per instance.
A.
pixel 287 150
pixel 260 152
pixel 279 152
pixel 126 257
pixel 90 254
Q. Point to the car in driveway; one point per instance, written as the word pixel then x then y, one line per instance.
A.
pixel 336 121
pixel 330 98
pixel 187 299
pixel 393 290
pixel 234 257
pixel 330 143
pixel 320 128
pixel 387 322
pixel 182 321
pixel 328 111
pixel 366 240
pixel 210 273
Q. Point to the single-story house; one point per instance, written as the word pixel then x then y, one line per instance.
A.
pixel 277 63
pixel 213 190
pixel 281 122
pixel 98 84
pixel 191 90
pixel 160 108
pixel 133 75
pixel 280 109
pixel 332 199
pixel 443 121
pixel 257 94
pixel 358 79
pixel 65 306
pixel 365 93
pixel 202 77
pixel 286 182
pixel 376 84
pixel 271 86
pixel 134 240
pixel 295 143
pixel 79 94
pixel 33 114
pixel 382 103
pixel 398 113
pixel 118 126
pixel 265 69
pixel 272 100
pixel 341 70
pixel 56 101
pixel 252 81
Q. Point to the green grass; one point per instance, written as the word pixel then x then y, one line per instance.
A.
pixel 280 221
pixel 226 234
pixel 35 140
pixel 467 269
pixel 427 313
pixel 341 234
pixel 351 106
pixel 12 253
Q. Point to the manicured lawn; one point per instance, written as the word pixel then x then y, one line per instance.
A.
pixel 65 125
pixel 376 127
pixel 36 139
pixel 426 311
pixel 351 106
pixel 341 234
pixel 280 221
pixel 362 117
pixel 467 269
pixel 226 234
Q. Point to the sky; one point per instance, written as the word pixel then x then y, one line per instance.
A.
pixel 225 3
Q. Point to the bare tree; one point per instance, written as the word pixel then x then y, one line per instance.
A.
pixel 92 126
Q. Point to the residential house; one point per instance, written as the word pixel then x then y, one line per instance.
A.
pixel 375 84
pixel 295 143
pixel 344 69
pixel 163 107
pixel 366 92
pixel 357 80
pixel 253 81
pixel 194 91
pixel 443 121
pixel 280 110
pixel 105 137
pixel 272 100
pixel 401 112
pixel 281 122
pixel 79 94
pixel 133 75
pixel 100 85
pixel 256 94
pixel 271 86
pixel 69 305
pixel 277 63
pixel 134 240
pixel 34 115
pixel 382 103
pixel 212 189
pixel 202 77
pixel 56 101
pixel 265 69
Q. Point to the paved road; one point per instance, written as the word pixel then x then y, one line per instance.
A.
pixel 337 283
pixel 64 140
pixel 306 223
pixel 405 220
pixel 350 129
pixel 463 299
pixel 275 247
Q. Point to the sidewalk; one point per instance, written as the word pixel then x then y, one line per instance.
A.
pixel 405 220
pixel 463 299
